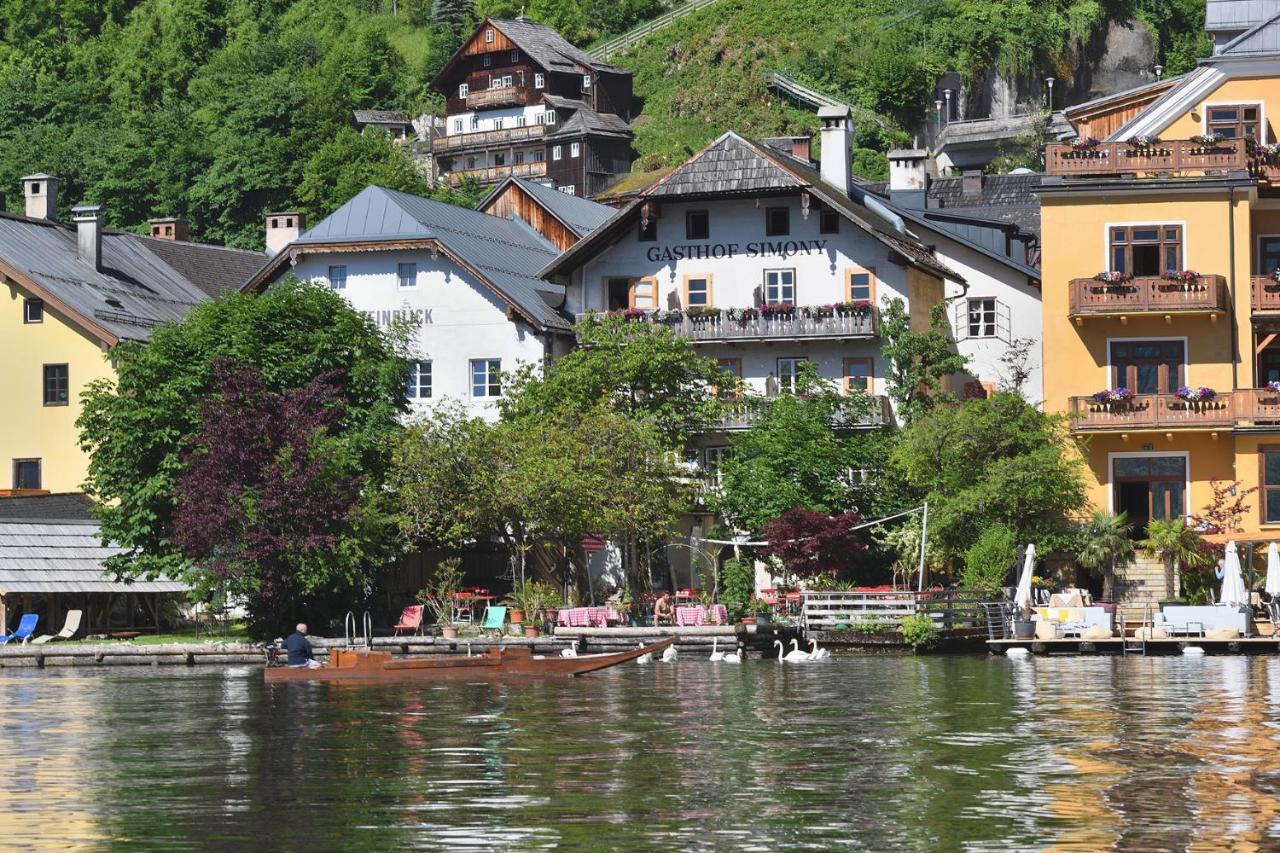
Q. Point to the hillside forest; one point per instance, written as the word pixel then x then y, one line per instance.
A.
pixel 222 110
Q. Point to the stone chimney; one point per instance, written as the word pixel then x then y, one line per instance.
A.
pixel 41 192
pixel 283 229
pixel 837 154
pixel 908 177
pixel 170 228
pixel 971 183
pixel 799 147
pixel 88 234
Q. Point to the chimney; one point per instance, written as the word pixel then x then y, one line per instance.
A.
pixel 170 228
pixel 41 192
pixel 283 229
pixel 908 177
pixel 837 155
pixel 88 234
pixel 798 147
pixel 971 183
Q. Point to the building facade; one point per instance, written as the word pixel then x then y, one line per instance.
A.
pixel 520 101
pixel 1162 311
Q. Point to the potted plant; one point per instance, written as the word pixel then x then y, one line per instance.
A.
pixel 761 610
pixel 534 626
pixel 521 600
pixel 438 596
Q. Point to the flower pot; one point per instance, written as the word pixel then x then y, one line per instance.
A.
pixel 1024 629
pixel 449 632
pixel 514 616
pixel 530 631
pixel 748 620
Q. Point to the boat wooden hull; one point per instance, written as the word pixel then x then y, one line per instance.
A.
pixel 354 667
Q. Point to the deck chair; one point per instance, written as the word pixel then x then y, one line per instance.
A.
pixel 69 629
pixel 26 627
pixel 410 620
pixel 494 619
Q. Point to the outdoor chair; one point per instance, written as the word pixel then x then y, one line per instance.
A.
pixel 69 629
pixel 26 627
pixel 494 619
pixel 1273 616
pixel 463 608
pixel 410 620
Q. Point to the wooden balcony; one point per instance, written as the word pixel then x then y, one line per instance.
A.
pixel 747 414
pixel 493 174
pixel 1257 407
pixel 1148 412
pixel 1090 297
pixel 1265 294
pixel 489 138
pixel 504 96
pixel 1174 157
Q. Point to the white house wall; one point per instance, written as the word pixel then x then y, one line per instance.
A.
pixel 460 320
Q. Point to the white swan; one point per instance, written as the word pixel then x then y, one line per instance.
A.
pixel 716 654
pixel 778 643
pixel 571 652
pixel 669 654
pixel 734 656
pixel 795 655
pixel 817 653
pixel 647 657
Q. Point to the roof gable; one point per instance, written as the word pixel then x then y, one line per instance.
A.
pixel 730 164
pixel 579 215
pixel 1261 40
pixel 542 44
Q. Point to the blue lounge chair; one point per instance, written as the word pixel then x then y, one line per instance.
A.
pixel 26 627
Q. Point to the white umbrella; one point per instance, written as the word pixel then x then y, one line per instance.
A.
pixel 1022 598
pixel 1233 592
pixel 1272 586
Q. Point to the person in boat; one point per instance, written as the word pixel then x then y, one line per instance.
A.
pixel 299 649
pixel 662 610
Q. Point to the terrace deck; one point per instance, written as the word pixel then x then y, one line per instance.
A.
pixel 1116 646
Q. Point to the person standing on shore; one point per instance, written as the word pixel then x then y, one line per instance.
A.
pixel 299 649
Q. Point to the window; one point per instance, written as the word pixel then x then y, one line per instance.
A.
pixel 648 229
pixel 982 318
pixel 780 286
pixel 1268 254
pixel 475 122
pixel 486 377
pixel 497 123
pixel 418 385
pixel 56 385
pixel 538 155
pixel 586 81
pixel 1235 121
pixel 644 293
pixel 26 473
pixel 539 81
pixel 463 89
pixel 623 293
pixel 519 157
pixel 789 373
pixel 862 286
pixel 1148 367
pixel 338 278
pixel 515 56
pixel 574 149
pixel 715 458
pixel 495 82
pixel 33 311
pixel 408 275
pixel 488 36
pixel 499 158
pixel 857 375
pixel 488 60
pixel 569 189
pixel 697 225
pixel 828 222
pixel 521 120
pixel 697 291
pixel 457 125
pixel 731 366
pixel 506 81
pixel 549 117
pixel 777 221
pixel 1146 250
pixel 555 152
pixel 1270 484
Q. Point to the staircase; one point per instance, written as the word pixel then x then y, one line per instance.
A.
pixel 604 50
pixel 1142 582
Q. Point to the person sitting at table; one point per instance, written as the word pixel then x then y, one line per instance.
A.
pixel 662 610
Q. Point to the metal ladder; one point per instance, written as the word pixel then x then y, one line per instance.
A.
pixel 1137 645
pixel 350 626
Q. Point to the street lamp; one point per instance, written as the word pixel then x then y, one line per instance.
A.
pixel 937 113
pixel 1159 71
pixel 946 93
pixel 1050 81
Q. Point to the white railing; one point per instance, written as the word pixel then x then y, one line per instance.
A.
pixel 617 43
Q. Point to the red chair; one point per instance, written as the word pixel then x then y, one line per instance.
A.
pixel 410 619
pixel 463 607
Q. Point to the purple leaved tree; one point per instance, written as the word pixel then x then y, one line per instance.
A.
pixel 811 544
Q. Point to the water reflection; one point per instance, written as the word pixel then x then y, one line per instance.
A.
pixel 882 753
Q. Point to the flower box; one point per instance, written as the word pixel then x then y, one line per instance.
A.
pixel 1116 397
pixel 1195 395
pixel 1109 277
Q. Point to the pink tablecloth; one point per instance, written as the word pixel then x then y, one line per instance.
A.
pixel 697 615
pixel 586 617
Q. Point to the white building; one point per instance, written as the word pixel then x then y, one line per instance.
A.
pixel 464 278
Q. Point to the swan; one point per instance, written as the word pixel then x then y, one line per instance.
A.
pixel 669 654
pixel 795 655
pixel 734 656
pixel 468 650
pixel 818 653
pixel 716 654
pixel 644 658
pixel 571 652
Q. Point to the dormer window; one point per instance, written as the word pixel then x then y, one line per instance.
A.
pixel 488 36
pixel 549 117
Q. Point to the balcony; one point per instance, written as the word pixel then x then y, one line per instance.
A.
pixel 715 326
pixel 1266 294
pixel 1181 156
pixel 504 96
pixel 1147 412
pixel 1257 407
pixel 747 414
pixel 489 138
pixel 1154 295
pixel 493 174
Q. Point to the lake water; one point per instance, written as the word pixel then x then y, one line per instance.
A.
pixel 866 752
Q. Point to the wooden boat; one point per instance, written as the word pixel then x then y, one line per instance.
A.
pixel 351 666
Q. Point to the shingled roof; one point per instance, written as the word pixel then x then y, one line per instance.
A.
pixel 503 253
pixel 62 506
pixel 547 47
pixel 39 556
pixel 380 117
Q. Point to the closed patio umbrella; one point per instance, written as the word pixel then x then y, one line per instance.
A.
pixel 1233 592
pixel 1272 585
pixel 1022 598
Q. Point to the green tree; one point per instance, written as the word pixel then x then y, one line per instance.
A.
pixel 348 163
pixel 917 362
pixel 1177 545
pixel 1106 544
pixel 138 427
pixel 989 560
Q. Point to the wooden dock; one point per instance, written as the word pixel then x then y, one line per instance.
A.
pixel 1129 645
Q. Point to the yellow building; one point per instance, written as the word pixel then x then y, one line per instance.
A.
pixel 1165 366
pixel 70 293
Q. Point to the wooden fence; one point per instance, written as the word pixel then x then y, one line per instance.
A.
pixel 956 613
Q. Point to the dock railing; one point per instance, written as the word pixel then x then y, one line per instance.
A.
pixel 953 611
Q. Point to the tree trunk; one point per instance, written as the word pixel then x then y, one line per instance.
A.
pixel 1109 581
pixel 1169 578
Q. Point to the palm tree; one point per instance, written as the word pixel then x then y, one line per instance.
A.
pixel 1176 544
pixel 1107 546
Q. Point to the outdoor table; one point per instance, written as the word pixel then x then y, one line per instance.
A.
pixel 697 615
pixel 586 617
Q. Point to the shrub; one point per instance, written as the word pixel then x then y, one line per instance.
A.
pixel 739 579
pixel 989 560
pixel 919 632
pixel 868 627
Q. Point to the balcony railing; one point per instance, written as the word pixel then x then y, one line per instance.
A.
pixel 1154 411
pixel 505 96
pixel 749 413
pixel 1257 407
pixel 1266 294
pixel 1208 293
pixel 487 138
pixel 1120 158
pixel 491 174
pixel 749 325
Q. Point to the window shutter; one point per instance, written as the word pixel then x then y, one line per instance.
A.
pixel 961 323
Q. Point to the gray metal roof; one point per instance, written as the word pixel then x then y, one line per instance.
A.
pixel 1238 14
pixel 381 117
pixel 581 215
pixel 65 557
pixel 507 253
pixel 548 48
pixel 1261 40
